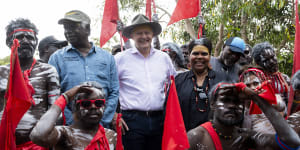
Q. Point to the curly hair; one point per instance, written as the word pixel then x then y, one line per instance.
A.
pixel 202 41
pixel 296 81
pixel 258 49
pixel 17 24
pixel 179 59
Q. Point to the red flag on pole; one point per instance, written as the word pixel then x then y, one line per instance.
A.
pixel 296 64
pixel 148 9
pixel 18 102
pixel 109 21
pixel 185 9
pixel 174 136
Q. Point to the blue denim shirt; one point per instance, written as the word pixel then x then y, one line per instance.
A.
pixel 98 65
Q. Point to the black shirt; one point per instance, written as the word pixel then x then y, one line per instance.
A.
pixel 195 113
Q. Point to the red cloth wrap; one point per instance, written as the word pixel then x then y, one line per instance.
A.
pixel 99 138
pixel 61 103
pixel 268 95
pixel 119 133
pixel 240 86
pixel 30 146
pixel 213 134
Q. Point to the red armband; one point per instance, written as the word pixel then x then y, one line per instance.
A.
pixel 240 86
pixel 61 103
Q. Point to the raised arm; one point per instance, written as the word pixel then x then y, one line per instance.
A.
pixel 45 133
pixel 285 133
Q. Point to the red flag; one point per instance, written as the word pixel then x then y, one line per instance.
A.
pixel 185 9
pixel 148 9
pixel 268 95
pixel 174 136
pixel 109 21
pixel 119 145
pixel 18 102
pixel 296 65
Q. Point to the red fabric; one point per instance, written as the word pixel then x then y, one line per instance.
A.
pixel 109 21
pixel 27 74
pixel 296 64
pixel 61 103
pixel 200 31
pixel 18 102
pixel 240 86
pixel 174 135
pixel 119 133
pixel 148 9
pixel 30 146
pixel 213 134
pixel 18 30
pixel 185 9
pixel 268 95
pixel 100 139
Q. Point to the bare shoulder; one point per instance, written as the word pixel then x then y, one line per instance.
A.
pixel 111 136
pixel 199 139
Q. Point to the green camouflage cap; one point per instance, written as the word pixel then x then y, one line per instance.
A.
pixel 76 16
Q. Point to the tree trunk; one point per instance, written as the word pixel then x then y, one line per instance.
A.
pixel 189 28
pixel 220 40
pixel 244 28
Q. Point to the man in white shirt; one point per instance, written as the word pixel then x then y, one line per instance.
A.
pixel 143 75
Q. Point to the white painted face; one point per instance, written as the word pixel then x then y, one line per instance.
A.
pixel 252 81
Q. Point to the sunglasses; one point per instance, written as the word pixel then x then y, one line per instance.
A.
pixel 87 104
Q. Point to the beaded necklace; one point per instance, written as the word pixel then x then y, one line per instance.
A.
pixel 226 137
pixel 201 93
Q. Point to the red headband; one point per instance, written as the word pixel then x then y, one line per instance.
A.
pixel 258 73
pixel 17 30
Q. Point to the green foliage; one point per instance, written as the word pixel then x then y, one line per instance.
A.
pixel 254 20
pixel 5 60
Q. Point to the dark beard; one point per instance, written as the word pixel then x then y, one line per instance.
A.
pixel 231 122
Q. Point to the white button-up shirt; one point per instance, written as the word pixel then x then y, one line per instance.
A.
pixel 142 80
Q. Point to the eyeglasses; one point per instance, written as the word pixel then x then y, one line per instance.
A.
pixel 87 104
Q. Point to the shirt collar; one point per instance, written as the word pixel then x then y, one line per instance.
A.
pixel 70 47
pixel 135 50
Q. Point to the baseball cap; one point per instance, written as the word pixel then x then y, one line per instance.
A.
pixel 76 16
pixel 51 40
pixel 236 44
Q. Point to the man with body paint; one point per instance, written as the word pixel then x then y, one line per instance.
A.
pixel 143 75
pixel 254 78
pixel 223 132
pixel 227 62
pixel 42 77
pixel 265 57
pixel 88 102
